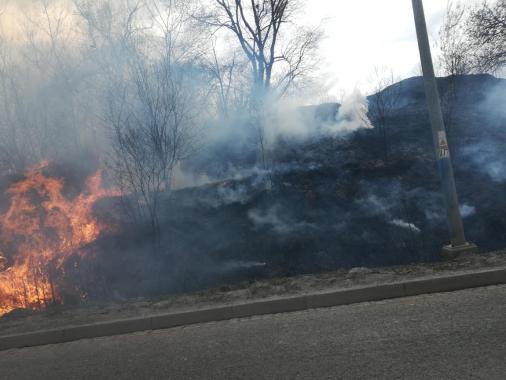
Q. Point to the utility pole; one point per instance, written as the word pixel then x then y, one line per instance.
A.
pixel 458 242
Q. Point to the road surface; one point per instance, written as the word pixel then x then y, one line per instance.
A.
pixel 459 335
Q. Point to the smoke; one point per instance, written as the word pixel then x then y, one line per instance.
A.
pixel 373 205
pixel 237 194
pixel 486 154
pixel 382 198
pixel 467 211
pixel 320 199
pixel 493 103
pixel 238 265
pixel 183 179
pixel 352 115
pixel 389 200
pixel 299 178
pixel 276 220
pixel 403 224
pixel 487 157
pixel 232 144
pixel 287 121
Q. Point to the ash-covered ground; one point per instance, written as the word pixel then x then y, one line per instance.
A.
pixel 321 202
pixel 22 321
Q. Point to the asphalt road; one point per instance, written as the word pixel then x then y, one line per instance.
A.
pixel 460 335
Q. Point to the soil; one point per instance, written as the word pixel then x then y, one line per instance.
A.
pixel 22 321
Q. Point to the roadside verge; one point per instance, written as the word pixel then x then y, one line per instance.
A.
pixel 249 309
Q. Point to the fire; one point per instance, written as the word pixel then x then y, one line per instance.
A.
pixel 41 230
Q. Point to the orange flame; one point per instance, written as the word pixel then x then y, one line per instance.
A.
pixel 42 229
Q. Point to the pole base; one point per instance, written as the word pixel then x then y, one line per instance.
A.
pixel 454 251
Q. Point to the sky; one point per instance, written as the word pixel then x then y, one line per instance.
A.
pixel 360 36
pixel 364 34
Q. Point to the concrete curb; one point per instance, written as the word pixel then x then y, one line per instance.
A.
pixel 282 305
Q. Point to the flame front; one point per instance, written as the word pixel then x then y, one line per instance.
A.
pixel 41 229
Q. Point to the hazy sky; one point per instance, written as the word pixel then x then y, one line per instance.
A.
pixel 360 35
pixel 364 34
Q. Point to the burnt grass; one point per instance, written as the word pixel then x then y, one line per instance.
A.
pixel 324 203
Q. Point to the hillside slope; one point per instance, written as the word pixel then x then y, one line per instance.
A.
pixel 331 202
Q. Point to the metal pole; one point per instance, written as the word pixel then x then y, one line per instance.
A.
pixel 457 236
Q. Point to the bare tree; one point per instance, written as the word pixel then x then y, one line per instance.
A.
pixel 487 34
pixel 11 150
pixel 386 98
pixel 228 83
pixel 151 112
pixel 279 53
pixel 456 57
pixel 52 49
pixel 152 134
pixel 40 76
pixel 276 61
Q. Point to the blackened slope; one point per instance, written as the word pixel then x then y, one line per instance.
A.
pixel 333 202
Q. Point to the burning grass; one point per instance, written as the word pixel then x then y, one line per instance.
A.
pixel 40 231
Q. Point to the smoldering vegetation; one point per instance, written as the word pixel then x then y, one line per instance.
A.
pixel 220 184
pixel 324 202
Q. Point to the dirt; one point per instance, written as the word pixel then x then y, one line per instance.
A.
pixel 21 321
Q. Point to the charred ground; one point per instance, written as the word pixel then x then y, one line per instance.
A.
pixel 325 202
pixel 320 203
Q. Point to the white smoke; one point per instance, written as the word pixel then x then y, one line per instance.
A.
pixel 466 211
pixel 373 205
pixel 352 115
pixel 273 219
pixel 406 225
pixel 182 179
pixel 240 193
pixel 287 120
pixel 236 265
pixel 488 157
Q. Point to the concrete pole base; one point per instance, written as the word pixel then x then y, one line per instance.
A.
pixel 453 251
